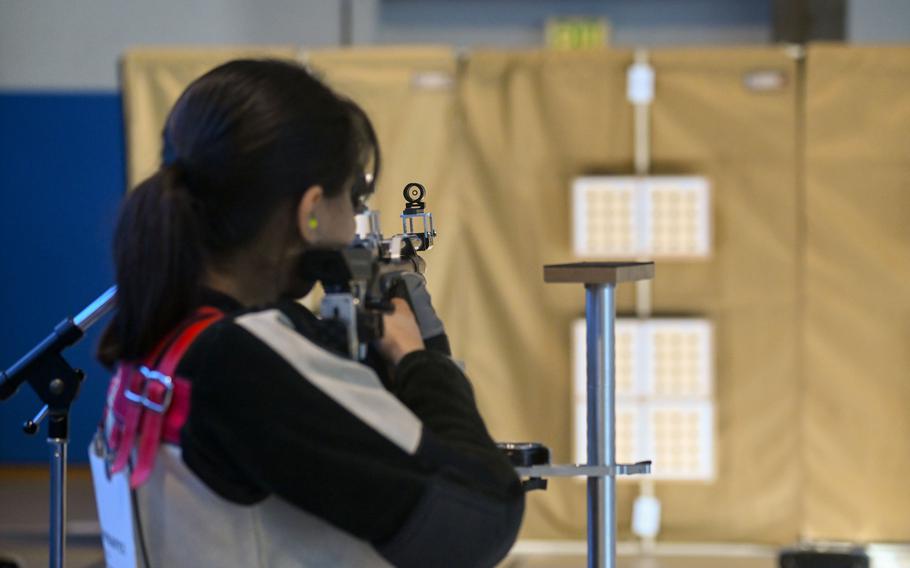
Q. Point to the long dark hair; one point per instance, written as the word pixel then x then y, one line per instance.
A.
pixel 242 140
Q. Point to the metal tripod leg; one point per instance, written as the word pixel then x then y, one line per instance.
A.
pixel 58 444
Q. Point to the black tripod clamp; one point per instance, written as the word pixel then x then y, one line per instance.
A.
pixel 52 378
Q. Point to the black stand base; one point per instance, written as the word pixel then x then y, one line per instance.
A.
pixel 823 559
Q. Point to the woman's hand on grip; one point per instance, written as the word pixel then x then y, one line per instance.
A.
pixel 401 334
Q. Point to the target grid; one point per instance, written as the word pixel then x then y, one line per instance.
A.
pixel 664 395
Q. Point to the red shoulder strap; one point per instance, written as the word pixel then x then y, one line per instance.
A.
pixel 175 347
pixel 151 401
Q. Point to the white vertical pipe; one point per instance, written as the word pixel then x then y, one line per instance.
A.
pixel 640 93
pixel 642 159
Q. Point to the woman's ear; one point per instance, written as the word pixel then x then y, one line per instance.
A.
pixel 307 220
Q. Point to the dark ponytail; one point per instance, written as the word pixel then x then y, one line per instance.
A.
pixel 159 265
pixel 242 141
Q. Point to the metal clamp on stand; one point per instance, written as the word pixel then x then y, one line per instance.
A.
pixel 584 470
pixel 600 280
pixel 527 456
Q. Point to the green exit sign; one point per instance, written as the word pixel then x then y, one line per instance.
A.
pixel 577 33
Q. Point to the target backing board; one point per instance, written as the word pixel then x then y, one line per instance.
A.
pixel 664 395
pixel 620 217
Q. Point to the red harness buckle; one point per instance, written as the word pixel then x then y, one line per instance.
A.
pixel 148 402
pixel 145 399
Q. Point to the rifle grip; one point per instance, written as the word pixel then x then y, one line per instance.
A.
pixel 399 289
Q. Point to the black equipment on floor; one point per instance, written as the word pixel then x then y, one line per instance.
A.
pixel 834 556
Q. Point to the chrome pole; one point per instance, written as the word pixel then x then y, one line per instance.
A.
pixel 96 310
pixel 58 502
pixel 601 388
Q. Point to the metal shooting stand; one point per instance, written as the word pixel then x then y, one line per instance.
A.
pixel 57 384
pixel 600 280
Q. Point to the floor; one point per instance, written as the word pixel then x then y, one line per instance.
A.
pixel 24 506
pixel 572 555
pixel 636 562
pixel 24 510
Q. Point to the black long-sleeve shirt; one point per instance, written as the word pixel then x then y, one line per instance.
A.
pixel 407 465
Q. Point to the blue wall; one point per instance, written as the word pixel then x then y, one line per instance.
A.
pixel 469 23
pixel 62 178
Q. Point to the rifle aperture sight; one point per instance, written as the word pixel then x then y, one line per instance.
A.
pixel 416 221
pixel 413 196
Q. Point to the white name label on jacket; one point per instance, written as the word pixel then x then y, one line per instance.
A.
pixel 115 511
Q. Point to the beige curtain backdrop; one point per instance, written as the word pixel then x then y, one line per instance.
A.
pixel 803 287
pixel 151 80
pixel 857 326
pixel 531 122
pixel 534 121
pixel 706 121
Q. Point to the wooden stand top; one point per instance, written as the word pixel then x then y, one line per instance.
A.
pixel 598 272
